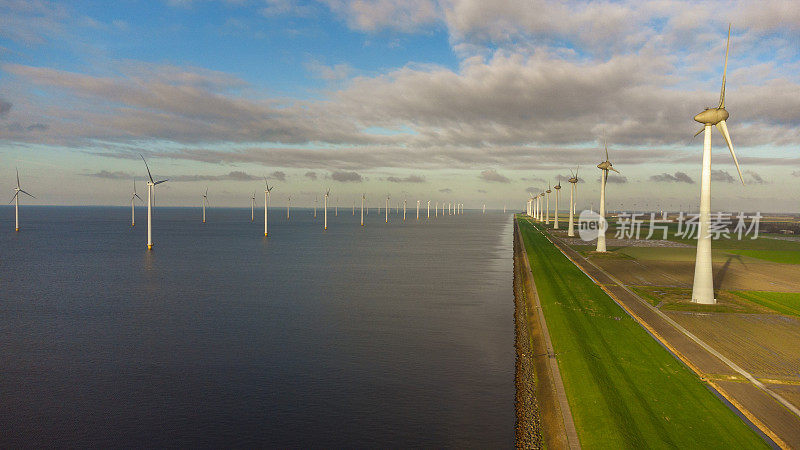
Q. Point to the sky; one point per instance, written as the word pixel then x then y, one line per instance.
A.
pixel 471 101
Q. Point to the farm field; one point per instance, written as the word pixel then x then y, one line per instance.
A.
pixel 624 388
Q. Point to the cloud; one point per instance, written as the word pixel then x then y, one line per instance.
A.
pixel 376 15
pixel 116 175
pixel 616 179
pixel 722 176
pixel 482 191
pixel 236 175
pixel 493 176
pixel 345 177
pixel 445 190
pixel 5 107
pixel 286 7
pixel 408 179
pixel 311 175
pixel 336 72
pixel 37 127
pixel 752 177
pixel 679 177
pixel 278 175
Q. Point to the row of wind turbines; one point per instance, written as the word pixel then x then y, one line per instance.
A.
pixel 703 284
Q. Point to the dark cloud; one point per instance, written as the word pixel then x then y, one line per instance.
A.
pixel 37 127
pixel 236 175
pixel 679 177
pixel 722 176
pixel 536 179
pixel 278 175
pixel 5 107
pixel 117 175
pixel 311 175
pixel 445 190
pixel 754 178
pixel 617 179
pixel 408 179
pixel 346 177
pixel 482 191
pixel 493 176
pixel 534 190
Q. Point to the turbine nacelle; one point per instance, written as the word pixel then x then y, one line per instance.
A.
pixel 712 116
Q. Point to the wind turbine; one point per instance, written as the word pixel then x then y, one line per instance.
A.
pixel 326 208
pixel 363 197
pixel 436 210
pixel 151 187
pixel 605 166
pixel 429 210
pixel 253 207
pixel 336 207
pixel 315 206
pixel 134 196
pixel 288 204
pixel 204 202
pixel 387 207
pixel 703 287
pixel 15 199
pixel 404 210
pixel 547 212
pixel 417 209
pixel 267 191
pixel 574 181
pixel 484 208
pixel 558 189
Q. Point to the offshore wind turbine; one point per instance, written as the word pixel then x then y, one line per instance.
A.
pixel 15 199
pixel 436 210
pixel 288 203
pixel 429 210
pixel 267 191
pixel 417 209
pixel 484 208
pixel 363 197
pixel 203 203
pixel 574 182
pixel 151 186
pixel 315 206
pixel 605 166
pixel 404 210
pixel 387 207
pixel 328 192
pixel 133 197
pixel 703 286
pixel 253 207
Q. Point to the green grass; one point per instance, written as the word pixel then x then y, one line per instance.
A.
pixel 783 302
pixel 778 256
pixel 624 389
pixel 679 299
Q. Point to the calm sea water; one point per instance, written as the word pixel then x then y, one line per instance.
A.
pixel 392 335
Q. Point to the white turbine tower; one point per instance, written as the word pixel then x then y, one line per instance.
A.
pixel 133 197
pixel 204 202
pixel 574 182
pixel 151 186
pixel 404 210
pixel 253 207
pixel 15 199
pixel 604 166
pixel 429 210
pixel 555 219
pixel 436 211
pixel 387 207
pixel 315 206
pixel 288 204
pixel 327 193
pixel 703 287
pixel 417 209
pixel 363 197
pixel 484 208
pixel 267 192
pixel 547 211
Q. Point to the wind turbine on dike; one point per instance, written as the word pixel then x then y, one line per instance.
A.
pixel 151 186
pixel 572 195
pixel 133 197
pixel 267 192
pixel 547 211
pixel 604 166
pixel 555 219
pixel 204 203
pixel 15 199
pixel 703 287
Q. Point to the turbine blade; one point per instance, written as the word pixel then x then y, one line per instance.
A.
pixel 723 128
pixel 615 170
pixel 148 168
pixel 696 134
pixel 159 182
pixel 26 193
pixel 137 196
pixel 206 194
pixel 12 198
pixel 725 70
pixel 18 178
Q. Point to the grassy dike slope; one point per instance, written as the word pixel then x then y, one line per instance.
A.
pixel 623 387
